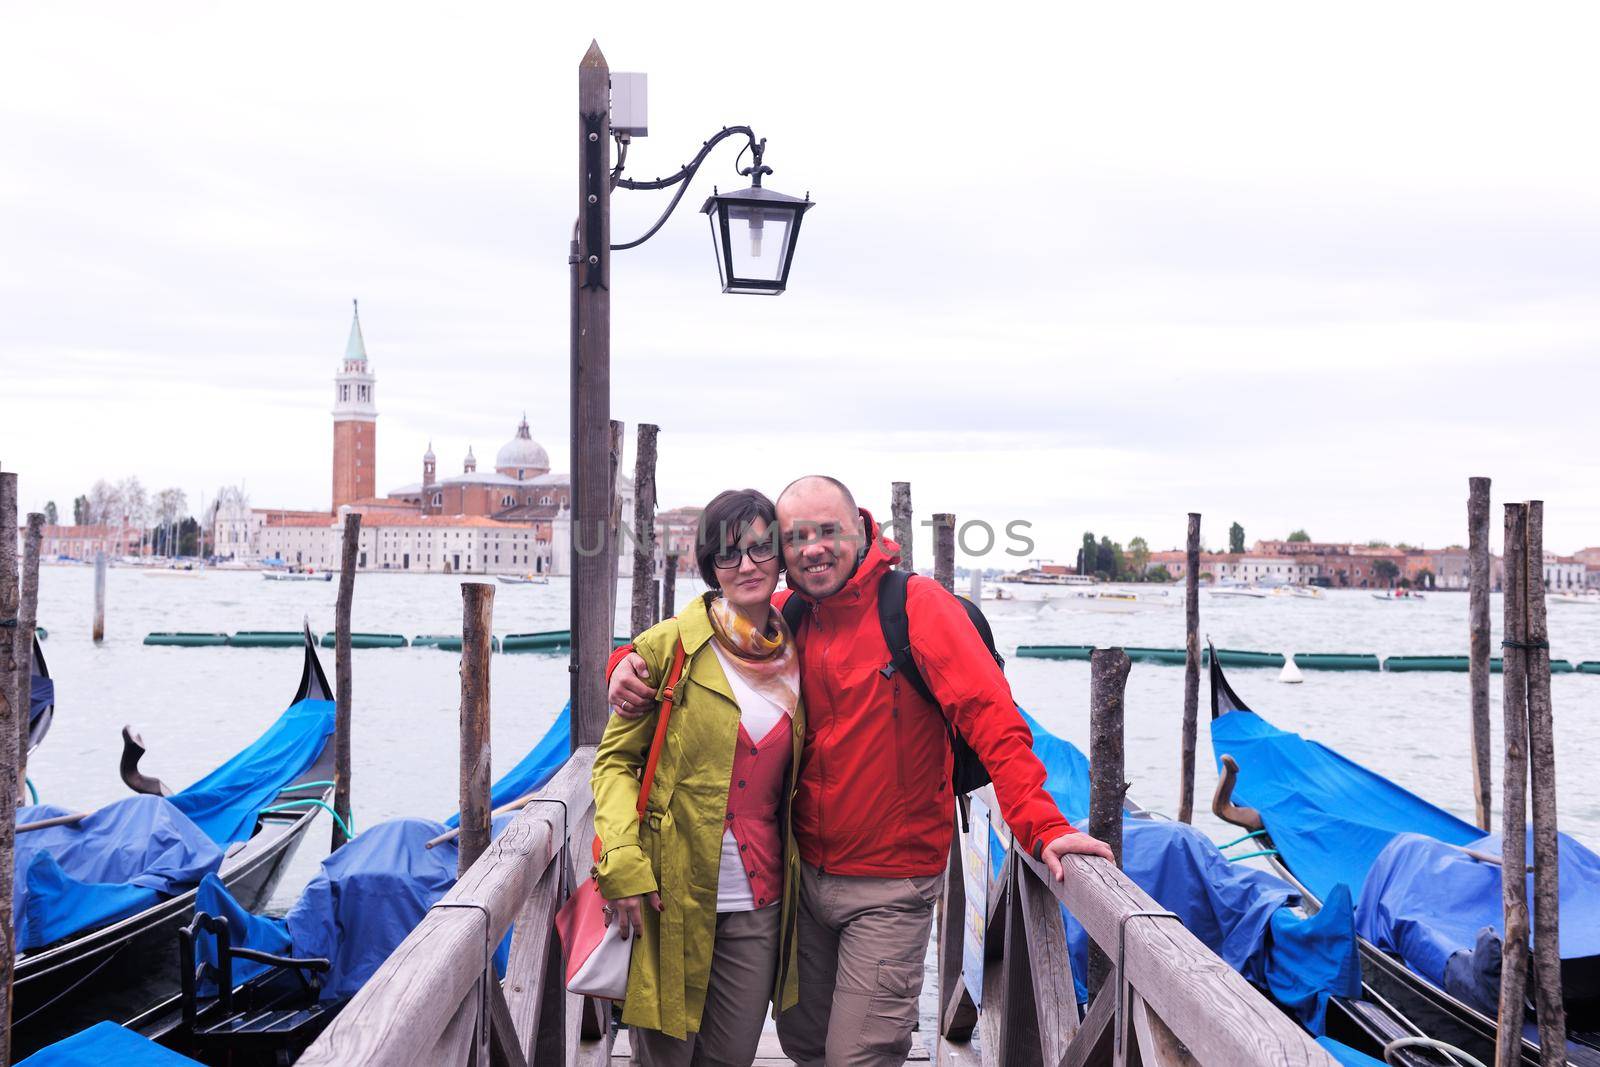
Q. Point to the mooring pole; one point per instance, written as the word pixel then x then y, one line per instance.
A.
pixel 644 530
pixel 669 586
pixel 1191 667
pixel 1551 1011
pixel 1478 582
pixel 99 597
pixel 1514 891
pixel 9 713
pixel 593 556
pixel 1108 678
pixel 22 644
pixel 904 532
pixel 477 623
pixel 944 550
pixel 342 695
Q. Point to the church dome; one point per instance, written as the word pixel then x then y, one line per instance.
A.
pixel 522 456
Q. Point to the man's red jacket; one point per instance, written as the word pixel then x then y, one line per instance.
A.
pixel 874 792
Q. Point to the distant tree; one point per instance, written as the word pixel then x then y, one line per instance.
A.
pixel 81 511
pixel 1425 579
pixel 1088 554
pixel 1385 571
pixel 104 504
pixel 1378 544
pixel 1299 536
pixel 1138 556
pixel 51 516
pixel 1108 560
pixel 188 536
pixel 1159 573
pixel 1207 576
pixel 1236 538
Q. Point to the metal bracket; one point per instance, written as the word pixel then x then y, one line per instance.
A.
pixel 1119 1024
pixel 566 842
pixel 596 257
pixel 488 958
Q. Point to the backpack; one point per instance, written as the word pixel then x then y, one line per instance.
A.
pixel 967 771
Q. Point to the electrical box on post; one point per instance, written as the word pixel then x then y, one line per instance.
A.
pixel 629 105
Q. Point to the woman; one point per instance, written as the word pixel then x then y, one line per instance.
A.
pixel 704 881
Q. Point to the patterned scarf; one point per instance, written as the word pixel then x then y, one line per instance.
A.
pixel 766 663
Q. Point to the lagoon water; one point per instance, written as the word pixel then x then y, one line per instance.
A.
pixel 197 706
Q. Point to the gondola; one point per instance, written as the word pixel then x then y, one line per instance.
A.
pixel 259 990
pixel 41 700
pixel 252 810
pixel 1312 810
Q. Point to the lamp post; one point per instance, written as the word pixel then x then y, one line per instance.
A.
pixel 754 232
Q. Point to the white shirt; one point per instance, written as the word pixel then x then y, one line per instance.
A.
pixel 758 715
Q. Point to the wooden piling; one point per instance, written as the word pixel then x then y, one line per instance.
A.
pixel 669 587
pixel 477 623
pixel 99 597
pixel 9 713
pixel 1478 579
pixel 22 642
pixel 341 673
pixel 593 565
pixel 1552 1014
pixel 1514 891
pixel 644 529
pixel 1108 677
pixel 1191 667
pixel 944 550
pixel 904 532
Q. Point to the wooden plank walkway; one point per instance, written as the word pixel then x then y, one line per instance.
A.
pixel 768 1054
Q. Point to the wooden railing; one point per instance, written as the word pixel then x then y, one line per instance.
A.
pixel 1167 1000
pixel 437 1001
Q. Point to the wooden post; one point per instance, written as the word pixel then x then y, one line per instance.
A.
pixel 593 556
pixel 22 643
pixel 1108 675
pixel 644 530
pixel 1552 1015
pixel 477 623
pixel 8 746
pixel 1478 641
pixel 1514 891
pixel 904 532
pixel 99 597
pixel 1191 667
pixel 669 587
pixel 341 674
pixel 944 551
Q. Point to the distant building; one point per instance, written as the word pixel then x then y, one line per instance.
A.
pixel 1563 573
pixel 1276 569
pixel 83 542
pixel 355 423
pixel 391 541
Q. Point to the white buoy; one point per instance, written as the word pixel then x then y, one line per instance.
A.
pixel 1291 674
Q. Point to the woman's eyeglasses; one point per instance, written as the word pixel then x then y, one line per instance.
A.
pixel 728 558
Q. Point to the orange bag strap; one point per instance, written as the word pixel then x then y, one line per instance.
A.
pixel 673 678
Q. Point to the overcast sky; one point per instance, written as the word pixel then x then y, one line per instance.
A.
pixel 1087 268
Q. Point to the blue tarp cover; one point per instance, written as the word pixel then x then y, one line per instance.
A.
pixel 225 802
pixel 129 854
pixel 115 863
pixel 107 1045
pixel 1425 900
pixel 534 769
pixel 1241 913
pixel 1347 1055
pixel 1328 817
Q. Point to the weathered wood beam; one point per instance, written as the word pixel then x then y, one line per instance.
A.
pixel 342 694
pixel 1191 668
pixel 944 550
pixel 1514 689
pixel 644 529
pixel 1158 1046
pixel 505 1046
pixel 1091 1045
pixel 1478 582
pixel 22 642
pixel 528 967
pixel 1108 787
pixel 958 1016
pixel 10 714
pixel 1055 998
pixel 477 623
pixel 904 532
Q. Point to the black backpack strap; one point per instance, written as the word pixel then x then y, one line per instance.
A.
pixel 794 613
pixel 896 625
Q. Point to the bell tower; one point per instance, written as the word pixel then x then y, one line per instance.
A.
pixel 355 422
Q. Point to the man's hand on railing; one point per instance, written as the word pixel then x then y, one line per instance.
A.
pixel 1080 844
pixel 628 914
pixel 630 693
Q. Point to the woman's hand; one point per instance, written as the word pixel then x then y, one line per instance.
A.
pixel 629 692
pixel 628 912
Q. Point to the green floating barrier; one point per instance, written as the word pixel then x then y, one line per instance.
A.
pixel 1054 651
pixel 368 640
pixel 1589 666
pixel 1457 664
pixel 267 639
pixel 549 641
pixel 1561 666
pixel 41 633
pixel 447 642
pixel 1233 657
pixel 182 639
pixel 1337 661
pixel 1170 656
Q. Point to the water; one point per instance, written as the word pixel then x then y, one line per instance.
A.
pixel 197 706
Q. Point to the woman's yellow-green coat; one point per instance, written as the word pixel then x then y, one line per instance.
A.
pixel 678 847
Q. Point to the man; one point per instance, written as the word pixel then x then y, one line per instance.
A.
pixel 873 808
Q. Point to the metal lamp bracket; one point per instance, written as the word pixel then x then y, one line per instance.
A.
pixel 595 180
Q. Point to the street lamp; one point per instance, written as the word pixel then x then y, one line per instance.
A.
pixel 754 231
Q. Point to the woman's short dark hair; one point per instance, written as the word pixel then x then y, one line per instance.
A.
pixel 724 521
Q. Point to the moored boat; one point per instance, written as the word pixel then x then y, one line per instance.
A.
pixel 297 576
pixel 522 579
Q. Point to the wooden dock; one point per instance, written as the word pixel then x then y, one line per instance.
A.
pixel 1168 1001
